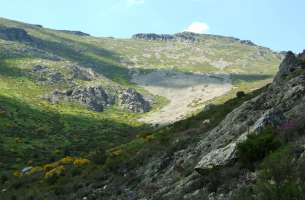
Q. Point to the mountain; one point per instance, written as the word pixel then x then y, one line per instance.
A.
pixel 121 118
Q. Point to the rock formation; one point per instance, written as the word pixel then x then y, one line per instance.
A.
pixel 133 101
pixel 15 34
pixel 96 98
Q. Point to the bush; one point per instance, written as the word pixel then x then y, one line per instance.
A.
pixel 240 94
pixel 256 147
pixel 3 178
pixel 67 160
pixel 52 175
pixel 98 156
pixel 49 167
pixel 281 177
pixel 79 162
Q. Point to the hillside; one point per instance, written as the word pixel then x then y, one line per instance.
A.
pixel 66 93
pixel 134 62
pixel 250 147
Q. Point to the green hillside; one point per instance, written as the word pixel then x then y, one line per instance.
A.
pixel 35 131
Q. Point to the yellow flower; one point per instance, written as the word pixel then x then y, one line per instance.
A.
pixel 67 160
pixel 79 162
pixel 49 167
pixel 58 171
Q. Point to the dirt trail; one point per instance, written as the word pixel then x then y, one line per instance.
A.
pixel 184 91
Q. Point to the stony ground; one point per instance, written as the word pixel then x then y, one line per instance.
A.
pixel 186 92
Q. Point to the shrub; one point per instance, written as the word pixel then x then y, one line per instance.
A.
pixel 35 170
pixel 79 162
pixel 67 160
pixel 49 167
pixel 281 177
pixel 52 175
pixel 240 94
pixel 3 178
pixel 256 147
pixel 98 156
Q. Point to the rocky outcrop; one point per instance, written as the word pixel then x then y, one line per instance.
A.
pixel 247 42
pixel 78 33
pixel 48 76
pixel 133 101
pixel 96 98
pixel 186 37
pixel 153 36
pixel 290 64
pixel 15 34
pixel 181 37
pixel 284 99
pixel 43 75
pixel 85 74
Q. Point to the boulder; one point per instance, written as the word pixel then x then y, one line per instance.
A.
pixel 83 73
pixel 94 97
pixel 133 101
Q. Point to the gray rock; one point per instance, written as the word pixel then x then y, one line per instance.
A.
pixel 247 42
pixel 133 101
pixel 153 36
pixel 15 34
pixel 182 37
pixel 282 100
pixel 78 33
pixel 83 73
pixel 94 97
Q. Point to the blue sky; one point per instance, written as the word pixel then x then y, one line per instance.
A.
pixel 278 24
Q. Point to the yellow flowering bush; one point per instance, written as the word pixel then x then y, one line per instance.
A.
pixel 51 166
pixel 116 152
pixel 35 170
pixel 67 160
pixel 57 171
pixel 79 162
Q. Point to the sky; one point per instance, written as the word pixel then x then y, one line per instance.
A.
pixel 277 24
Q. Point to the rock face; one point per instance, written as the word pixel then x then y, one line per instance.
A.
pixel 284 99
pixel 247 42
pixel 186 37
pixel 79 33
pixel 85 74
pixel 96 98
pixel 133 101
pixel 182 37
pixel 290 64
pixel 49 76
pixel 15 34
pixel 153 36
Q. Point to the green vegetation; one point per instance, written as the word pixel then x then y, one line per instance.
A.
pixel 69 146
pixel 257 146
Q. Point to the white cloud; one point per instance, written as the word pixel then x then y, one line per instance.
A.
pixel 135 2
pixel 198 27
